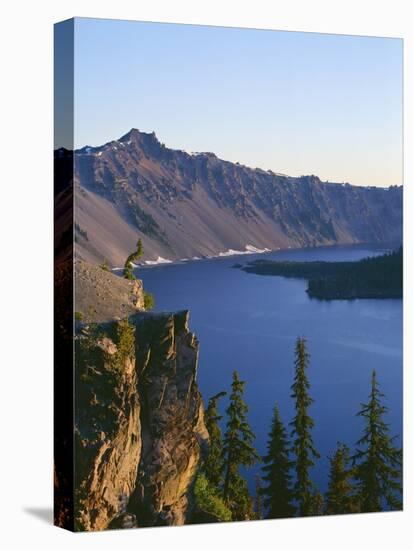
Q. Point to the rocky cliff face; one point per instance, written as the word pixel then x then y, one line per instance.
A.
pixel 173 430
pixel 139 422
pixel 186 205
pixel 108 429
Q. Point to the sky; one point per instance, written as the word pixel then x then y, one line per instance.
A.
pixel 295 103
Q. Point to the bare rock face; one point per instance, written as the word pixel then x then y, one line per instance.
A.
pixel 108 431
pixel 139 422
pixel 173 430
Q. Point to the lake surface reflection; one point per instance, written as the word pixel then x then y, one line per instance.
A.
pixel 250 323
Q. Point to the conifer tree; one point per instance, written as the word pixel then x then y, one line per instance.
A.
pixel 278 495
pixel 139 249
pixel 128 268
pixel 339 496
pixel 378 461
pixel 302 424
pixel 213 462
pixel 237 451
pixel 259 503
pixel 317 504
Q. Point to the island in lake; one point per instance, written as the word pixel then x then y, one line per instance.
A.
pixel 376 277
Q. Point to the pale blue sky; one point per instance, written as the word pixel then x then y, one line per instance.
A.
pixel 295 103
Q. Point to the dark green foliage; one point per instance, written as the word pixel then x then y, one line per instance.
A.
pixel 148 300
pixel 208 502
pixel 237 451
pixel 95 331
pixel 378 470
pixel 135 256
pixel 213 463
pixel 339 497
pixel 277 472
pixel 139 249
pixel 105 265
pixel 317 504
pixel 91 310
pixel 239 500
pixel 125 342
pixel 78 316
pixel 379 277
pixel 259 501
pixel 128 273
pixel 302 424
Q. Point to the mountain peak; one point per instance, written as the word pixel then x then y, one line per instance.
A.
pixel 136 135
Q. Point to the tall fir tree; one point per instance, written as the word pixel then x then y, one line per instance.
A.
pixel 317 504
pixel 259 501
pixel 340 493
pixel 378 461
pixel 278 495
pixel 213 463
pixel 302 424
pixel 238 451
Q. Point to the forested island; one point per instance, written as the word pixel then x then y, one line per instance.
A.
pixel 375 277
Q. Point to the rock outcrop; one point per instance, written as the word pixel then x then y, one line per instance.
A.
pixel 173 430
pixel 107 426
pixel 139 422
pixel 101 296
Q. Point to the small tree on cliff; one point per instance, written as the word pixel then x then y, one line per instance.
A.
pixel 339 496
pixel 213 463
pixel 237 451
pixel 128 268
pixel 139 249
pixel 378 462
pixel 277 472
pixel 302 424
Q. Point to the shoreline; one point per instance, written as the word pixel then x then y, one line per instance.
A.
pixel 250 250
pixel 230 253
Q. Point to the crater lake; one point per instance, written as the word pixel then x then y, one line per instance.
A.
pixel 250 323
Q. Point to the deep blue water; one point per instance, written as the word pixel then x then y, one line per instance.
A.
pixel 250 323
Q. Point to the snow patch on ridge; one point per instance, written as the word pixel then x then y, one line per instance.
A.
pixel 159 261
pixel 249 249
pixel 254 250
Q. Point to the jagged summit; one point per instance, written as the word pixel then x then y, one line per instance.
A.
pixel 138 135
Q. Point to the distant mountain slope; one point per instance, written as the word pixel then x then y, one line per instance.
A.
pixel 185 205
